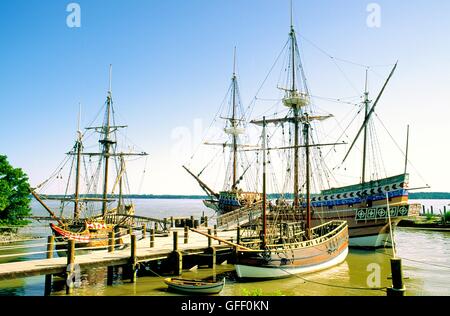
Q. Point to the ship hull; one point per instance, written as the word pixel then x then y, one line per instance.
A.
pixel 363 206
pixel 87 240
pixel 367 233
pixel 287 260
pixel 253 272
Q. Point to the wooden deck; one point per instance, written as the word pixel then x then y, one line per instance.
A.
pixel 163 248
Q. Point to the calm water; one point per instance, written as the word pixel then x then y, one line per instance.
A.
pixel 426 265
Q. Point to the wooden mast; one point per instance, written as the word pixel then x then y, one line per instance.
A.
pixel 233 123
pixel 76 212
pixel 122 170
pixel 308 184
pixel 366 104
pixel 106 142
pixel 296 115
pixel 264 203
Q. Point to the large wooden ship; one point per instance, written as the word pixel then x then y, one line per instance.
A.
pixel 93 197
pixel 233 196
pixel 288 247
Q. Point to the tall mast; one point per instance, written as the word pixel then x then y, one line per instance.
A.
pixel 233 123
pixel 366 104
pixel 107 142
pixel 296 115
pixel 122 170
pixel 264 232
pixel 78 145
pixel 308 185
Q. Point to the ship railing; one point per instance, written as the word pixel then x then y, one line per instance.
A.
pixel 333 227
pixel 126 220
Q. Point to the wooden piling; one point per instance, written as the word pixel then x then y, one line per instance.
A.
pixel 172 224
pixel 110 275
pixel 196 223
pixel 186 234
pixel 209 238
pixel 70 266
pixel 215 232
pixel 206 221
pixel 48 277
pixel 175 241
pixel 152 238
pixel 212 259
pixel 431 208
pixel 177 262
pixel 110 269
pixel 111 241
pixel 192 222
pixel 397 288
pixel 144 231
pixel 133 258
pixel 238 235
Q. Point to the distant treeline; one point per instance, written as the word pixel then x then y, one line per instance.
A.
pixel 412 196
pixel 430 196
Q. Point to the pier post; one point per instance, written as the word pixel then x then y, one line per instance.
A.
pixel 424 210
pixel 175 241
pixel 192 221
pixel 48 277
pixel 238 235
pixel 213 255
pixel 177 262
pixel 111 241
pixel 172 224
pixel 186 234
pixel 209 238
pixel 431 207
pixel 196 223
pixel 397 288
pixel 110 269
pixel 144 231
pixel 133 258
pixel 206 221
pixel 215 232
pixel 152 238
pixel 70 266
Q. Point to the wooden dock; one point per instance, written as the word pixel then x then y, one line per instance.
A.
pixel 163 248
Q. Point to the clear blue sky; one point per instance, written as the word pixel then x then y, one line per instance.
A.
pixel 172 64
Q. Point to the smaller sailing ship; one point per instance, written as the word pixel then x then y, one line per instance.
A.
pixel 289 247
pixel 232 197
pixel 92 231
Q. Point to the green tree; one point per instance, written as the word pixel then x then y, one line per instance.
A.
pixel 14 195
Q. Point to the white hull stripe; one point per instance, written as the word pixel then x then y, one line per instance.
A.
pixel 246 271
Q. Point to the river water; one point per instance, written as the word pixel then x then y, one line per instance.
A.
pixel 425 254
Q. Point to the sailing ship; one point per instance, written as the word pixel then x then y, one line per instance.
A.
pixel 92 231
pixel 232 197
pixel 285 248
